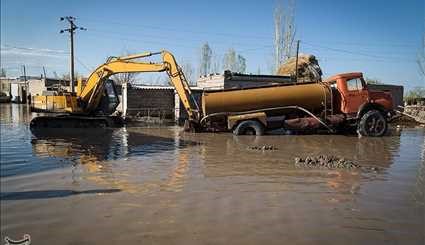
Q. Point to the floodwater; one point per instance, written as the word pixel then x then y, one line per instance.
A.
pixel 162 186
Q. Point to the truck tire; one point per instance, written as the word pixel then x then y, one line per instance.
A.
pixel 249 127
pixel 373 124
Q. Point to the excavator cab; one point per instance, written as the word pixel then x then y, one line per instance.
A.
pixel 110 99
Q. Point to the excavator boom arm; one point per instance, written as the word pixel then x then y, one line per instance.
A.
pixel 92 92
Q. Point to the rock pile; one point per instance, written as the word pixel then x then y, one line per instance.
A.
pixel 308 68
pixel 417 112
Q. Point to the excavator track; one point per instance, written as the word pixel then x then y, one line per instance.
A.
pixel 74 121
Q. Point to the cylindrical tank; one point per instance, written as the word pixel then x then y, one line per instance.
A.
pixel 311 96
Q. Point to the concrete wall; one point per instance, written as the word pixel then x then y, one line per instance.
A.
pixel 151 101
pixel 212 81
pixel 157 101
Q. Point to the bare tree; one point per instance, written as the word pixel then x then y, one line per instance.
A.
pixel 127 77
pixel 216 64
pixel 372 80
pixel 234 62
pixel 205 63
pixel 278 37
pixel 229 60
pixel 421 58
pixel 3 72
pixel 187 69
pixel 284 32
pixel 241 64
pixel 289 30
pixel 121 78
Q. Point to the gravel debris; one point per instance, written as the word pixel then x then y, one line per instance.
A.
pixel 325 161
pixel 263 148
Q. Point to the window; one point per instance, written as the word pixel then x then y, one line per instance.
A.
pixel 354 84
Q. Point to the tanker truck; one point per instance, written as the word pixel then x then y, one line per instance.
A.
pixel 340 103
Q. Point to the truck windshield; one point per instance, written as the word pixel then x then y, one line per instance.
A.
pixel 354 84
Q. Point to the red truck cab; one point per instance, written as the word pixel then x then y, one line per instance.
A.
pixel 354 99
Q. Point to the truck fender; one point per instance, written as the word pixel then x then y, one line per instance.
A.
pixel 364 108
pixel 234 120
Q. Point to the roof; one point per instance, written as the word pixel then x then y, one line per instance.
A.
pixel 344 75
pixel 159 87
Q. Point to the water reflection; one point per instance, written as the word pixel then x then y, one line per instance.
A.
pixel 96 145
pixel 94 150
pixel 14 113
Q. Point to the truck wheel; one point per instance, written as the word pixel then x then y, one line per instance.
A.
pixel 249 127
pixel 372 123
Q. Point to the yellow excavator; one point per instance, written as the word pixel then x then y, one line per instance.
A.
pixel 94 103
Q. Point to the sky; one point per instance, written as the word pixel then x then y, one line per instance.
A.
pixel 380 38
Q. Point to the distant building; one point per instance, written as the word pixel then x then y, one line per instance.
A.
pixel 39 85
pixel 19 89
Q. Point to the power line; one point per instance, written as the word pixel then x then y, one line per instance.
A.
pixel 251 48
pixel 161 38
pixel 369 44
pixel 82 64
pixel 179 29
pixel 348 51
pixel 232 35
pixel 259 48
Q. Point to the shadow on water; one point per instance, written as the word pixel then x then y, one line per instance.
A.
pixel 45 194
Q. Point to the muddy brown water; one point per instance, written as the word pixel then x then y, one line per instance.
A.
pixel 159 185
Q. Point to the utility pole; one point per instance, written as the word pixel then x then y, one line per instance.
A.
pixel 44 72
pixel 72 28
pixel 24 98
pixel 296 61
